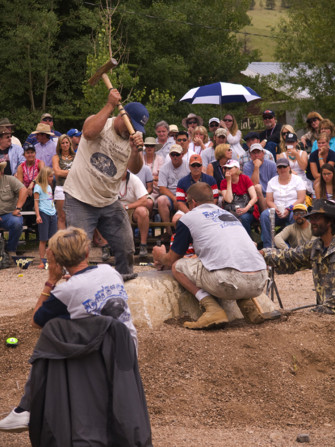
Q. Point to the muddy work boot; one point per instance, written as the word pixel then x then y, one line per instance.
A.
pixel 252 313
pixel 213 316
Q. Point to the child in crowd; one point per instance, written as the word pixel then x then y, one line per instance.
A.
pixel 46 217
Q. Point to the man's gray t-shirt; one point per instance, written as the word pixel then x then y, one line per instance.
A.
pixel 219 240
pixel 207 156
pixel 169 175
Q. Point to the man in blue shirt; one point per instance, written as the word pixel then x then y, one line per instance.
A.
pixel 260 171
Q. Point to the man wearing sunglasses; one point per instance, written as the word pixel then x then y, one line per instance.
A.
pixel 183 141
pixel 270 137
pixel 46 118
pixel 297 233
pixel 169 175
pixel 195 175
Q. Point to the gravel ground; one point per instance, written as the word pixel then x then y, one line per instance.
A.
pixel 243 386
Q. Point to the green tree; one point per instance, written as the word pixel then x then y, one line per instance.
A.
pixel 308 54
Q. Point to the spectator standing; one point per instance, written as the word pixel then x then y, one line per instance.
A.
pixel 283 192
pixel 45 146
pixel 27 173
pixel 260 171
pixel 62 163
pixel 45 210
pixel 270 137
pixel 12 197
pixel 10 153
pixel 234 135
pixel 75 136
pixel 296 234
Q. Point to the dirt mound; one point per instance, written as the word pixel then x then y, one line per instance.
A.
pixel 242 386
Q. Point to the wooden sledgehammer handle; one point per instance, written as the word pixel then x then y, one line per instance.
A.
pixel 123 113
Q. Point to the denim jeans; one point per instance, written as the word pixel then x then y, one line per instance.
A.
pixel 112 222
pixel 247 219
pixel 14 225
pixel 266 225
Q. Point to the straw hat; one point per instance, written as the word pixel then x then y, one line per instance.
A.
pixel 43 128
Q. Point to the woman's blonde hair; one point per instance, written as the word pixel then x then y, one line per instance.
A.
pixel 234 127
pixel 203 131
pixel 42 178
pixel 282 144
pixel 59 147
pixel 323 136
pixel 70 246
pixel 220 151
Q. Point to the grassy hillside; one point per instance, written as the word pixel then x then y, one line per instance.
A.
pixel 262 21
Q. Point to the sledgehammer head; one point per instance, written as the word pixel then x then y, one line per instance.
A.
pixel 104 69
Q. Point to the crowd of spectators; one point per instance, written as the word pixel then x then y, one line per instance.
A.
pixel 249 175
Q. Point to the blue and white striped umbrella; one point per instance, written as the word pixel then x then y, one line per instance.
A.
pixel 220 93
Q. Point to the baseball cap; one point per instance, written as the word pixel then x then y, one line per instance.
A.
pixel 291 137
pixel 73 133
pixel 195 158
pixel 214 120
pixel 29 147
pixel 176 148
pixel 300 206
pixel 220 132
pixel 46 115
pixel 269 112
pixel 251 135
pixel 282 162
pixel 139 115
pixel 255 146
pixel 231 164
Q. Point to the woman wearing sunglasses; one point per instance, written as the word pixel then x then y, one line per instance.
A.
pixel 234 135
pixel 286 129
pixel 313 121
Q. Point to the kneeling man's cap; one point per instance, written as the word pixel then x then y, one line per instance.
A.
pixel 139 115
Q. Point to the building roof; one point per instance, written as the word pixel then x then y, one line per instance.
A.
pixel 264 69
